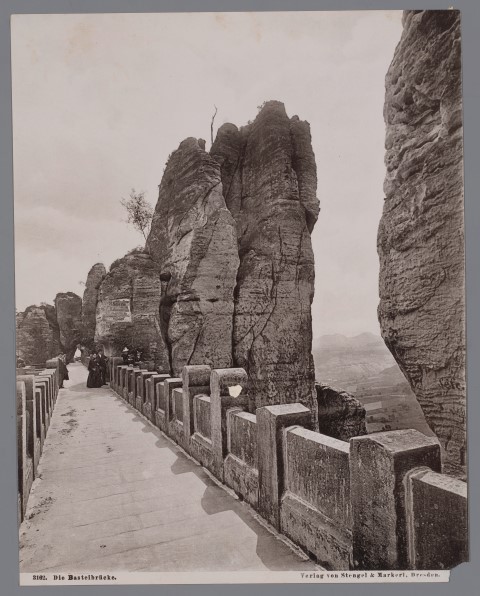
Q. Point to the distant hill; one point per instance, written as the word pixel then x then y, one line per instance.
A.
pixel 347 359
pixel 364 366
pixel 337 340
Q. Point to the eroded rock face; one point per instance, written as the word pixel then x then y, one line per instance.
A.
pixel 269 182
pixel 193 243
pixel 68 308
pixel 89 303
pixel 420 237
pixel 128 309
pixel 38 335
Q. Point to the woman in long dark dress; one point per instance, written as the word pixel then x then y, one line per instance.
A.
pixel 94 372
pixel 102 360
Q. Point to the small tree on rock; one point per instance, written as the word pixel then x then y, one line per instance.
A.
pixel 139 212
pixel 211 123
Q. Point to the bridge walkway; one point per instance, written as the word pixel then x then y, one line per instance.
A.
pixel 113 493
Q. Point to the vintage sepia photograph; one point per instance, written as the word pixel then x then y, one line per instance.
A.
pixel 240 297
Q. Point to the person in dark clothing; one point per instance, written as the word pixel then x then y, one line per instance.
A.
pixel 63 370
pixel 94 371
pixel 125 355
pixel 102 359
pixel 131 358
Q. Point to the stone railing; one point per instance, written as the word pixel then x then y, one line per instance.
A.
pixel 37 391
pixel 374 502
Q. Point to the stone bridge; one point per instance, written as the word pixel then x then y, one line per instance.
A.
pixel 157 473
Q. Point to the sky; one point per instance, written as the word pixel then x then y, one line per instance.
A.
pixel 100 101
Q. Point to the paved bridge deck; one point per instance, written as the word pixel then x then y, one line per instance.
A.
pixel 115 494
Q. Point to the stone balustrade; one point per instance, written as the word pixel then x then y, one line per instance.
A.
pixel 37 391
pixel 373 502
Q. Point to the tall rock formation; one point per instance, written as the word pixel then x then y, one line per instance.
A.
pixel 193 243
pixel 68 309
pixel 38 334
pixel 420 238
pixel 89 303
pixel 128 309
pixel 269 181
pixel 230 241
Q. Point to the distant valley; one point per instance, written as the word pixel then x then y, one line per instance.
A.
pixel 363 366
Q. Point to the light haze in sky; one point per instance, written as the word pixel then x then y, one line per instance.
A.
pixel 100 101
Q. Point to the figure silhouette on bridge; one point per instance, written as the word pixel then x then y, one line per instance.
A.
pixel 94 379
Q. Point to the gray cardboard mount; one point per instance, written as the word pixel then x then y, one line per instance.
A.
pixel 464 578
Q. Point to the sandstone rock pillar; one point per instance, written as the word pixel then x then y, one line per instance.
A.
pixel 420 237
pixel 38 335
pixel 128 309
pixel 194 246
pixel 68 308
pixel 89 303
pixel 269 183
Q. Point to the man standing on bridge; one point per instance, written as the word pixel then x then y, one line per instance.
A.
pixel 102 359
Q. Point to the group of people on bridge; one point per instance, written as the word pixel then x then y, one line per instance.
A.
pixel 131 356
pixel 98 365
pixel 97 369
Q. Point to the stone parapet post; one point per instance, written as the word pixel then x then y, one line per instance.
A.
pixel 121 370
pixel 195 381
pixel 25 463
pixel 113 364
pixel 240 466
pixel 129 382
pixel 378 465
pixel 128 371
pixel 54 363
pixel 271 423
pixel 40 409
pixel 51 375
pixel 151 388
pixel 141 384
pixel 315 510
pixel 122 378
pixel 167 388
pixel 41 378
pixel 21 445
pixel 137 372
pixel 43 386
pixel 150 404
pixel 437 520
pixel 33 444
pixel 175 427
pixel 177 405
pixel 227 386
pixel 142 404
pixel 52 387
